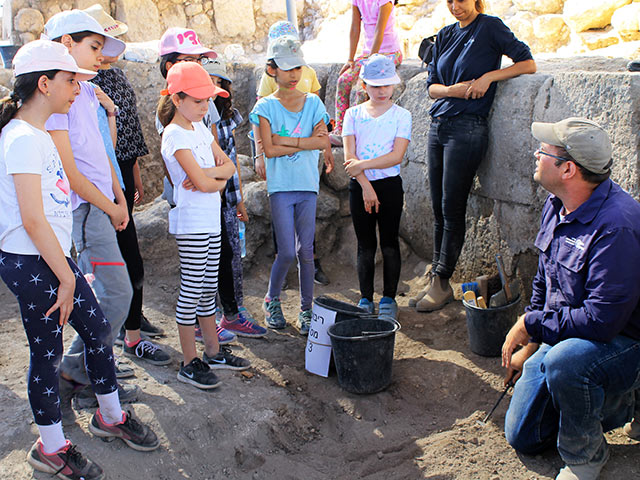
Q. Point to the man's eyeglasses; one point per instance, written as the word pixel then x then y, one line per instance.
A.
pixel 542 152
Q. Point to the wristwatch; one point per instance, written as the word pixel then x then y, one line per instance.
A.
pixel 115 112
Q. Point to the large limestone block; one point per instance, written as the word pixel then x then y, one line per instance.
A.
pixel 234 18
pixel 551 32
pixel 202 25
pixel 256 200
pixel 582 15
pixel 521 24
pixel 539 6
pixel 499 8
pixel 328 204
pixel 173 16
pixel 594 39
pixel 29 20
pixel 626 21
pixel 142 17
pixel 279 7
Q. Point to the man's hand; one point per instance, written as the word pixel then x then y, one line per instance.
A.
pixel 518 335
pixel 514 372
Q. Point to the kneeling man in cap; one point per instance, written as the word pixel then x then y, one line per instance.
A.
pixel 578 373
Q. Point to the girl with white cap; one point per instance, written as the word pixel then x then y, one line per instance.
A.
pixel 35 239
pixel 376 136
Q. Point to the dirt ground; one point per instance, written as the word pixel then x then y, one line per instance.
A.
pixel 284 423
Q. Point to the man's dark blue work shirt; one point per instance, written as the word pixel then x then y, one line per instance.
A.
pixel 588 279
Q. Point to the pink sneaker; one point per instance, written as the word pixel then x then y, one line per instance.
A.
pixel 67 463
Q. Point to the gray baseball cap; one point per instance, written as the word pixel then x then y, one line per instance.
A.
pixel 586 141
pixel 286 52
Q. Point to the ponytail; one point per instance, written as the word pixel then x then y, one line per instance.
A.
pixel 166 109
pixel 23 88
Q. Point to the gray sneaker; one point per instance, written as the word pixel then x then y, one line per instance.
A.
pixel 87 399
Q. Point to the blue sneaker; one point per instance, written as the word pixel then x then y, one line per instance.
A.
pixel 388 308
pixel 366 305
pixel 245 315
pixel 273 314
pixel 225 336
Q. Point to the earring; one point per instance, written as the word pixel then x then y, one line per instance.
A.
pixel 48 94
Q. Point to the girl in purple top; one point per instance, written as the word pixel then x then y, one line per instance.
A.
pixel 98 203
pixel 377 17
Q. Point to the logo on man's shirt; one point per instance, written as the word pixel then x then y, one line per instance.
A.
pixel 575 242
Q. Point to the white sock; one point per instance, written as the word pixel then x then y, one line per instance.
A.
pixel 110 407
pixel 52 437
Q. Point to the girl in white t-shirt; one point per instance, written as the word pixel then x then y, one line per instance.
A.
pixel 189 151
pixel 376 136
pixel 35 239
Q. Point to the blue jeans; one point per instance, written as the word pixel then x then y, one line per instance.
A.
pixel 294 224
pixel 95 240
pixel 456 147
pixel 571 393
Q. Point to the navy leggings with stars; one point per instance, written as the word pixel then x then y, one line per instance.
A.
pixel 35 286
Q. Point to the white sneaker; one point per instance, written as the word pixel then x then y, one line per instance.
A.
pixel 585 471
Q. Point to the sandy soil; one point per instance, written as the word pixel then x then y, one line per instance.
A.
pixel 284 423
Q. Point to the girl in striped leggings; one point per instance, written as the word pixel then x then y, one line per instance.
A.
pixel 189 151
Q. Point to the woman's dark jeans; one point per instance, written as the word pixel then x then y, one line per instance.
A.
pixel 457 145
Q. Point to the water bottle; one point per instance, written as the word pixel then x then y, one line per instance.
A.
pixel 243 241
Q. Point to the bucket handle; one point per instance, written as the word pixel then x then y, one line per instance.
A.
pixel 396 327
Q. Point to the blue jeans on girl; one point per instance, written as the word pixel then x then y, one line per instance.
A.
pixel 570 394
pixel 35 286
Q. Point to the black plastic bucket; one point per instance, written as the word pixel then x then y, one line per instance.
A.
pixel 326 312
pixel 8 52
pixel 487 327
pixel 363 353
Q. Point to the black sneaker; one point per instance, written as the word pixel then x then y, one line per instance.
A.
pixel 131 431
pixel 145 350
pixel 67 463
pixel 198 374
pixel 224 359
pixel 319 276
pixel 85 398
pixel 147 328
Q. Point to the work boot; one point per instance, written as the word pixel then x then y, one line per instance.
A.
pixel 414 300
pixel 585 471
pixel 68 389
pixel 437 297
pixel 634 66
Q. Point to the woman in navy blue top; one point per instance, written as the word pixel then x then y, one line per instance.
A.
pixel 462 76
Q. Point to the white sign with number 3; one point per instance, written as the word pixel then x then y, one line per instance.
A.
pixel 318 349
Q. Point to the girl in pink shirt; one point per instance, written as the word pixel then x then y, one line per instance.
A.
pixel 378 19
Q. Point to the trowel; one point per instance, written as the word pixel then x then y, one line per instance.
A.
pixel 486 419
pixel 509 287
